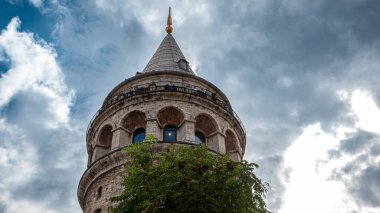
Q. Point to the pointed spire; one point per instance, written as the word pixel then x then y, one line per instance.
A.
pixel 168 56
pixel 169 25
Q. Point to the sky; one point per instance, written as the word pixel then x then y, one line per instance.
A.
pixel 302 75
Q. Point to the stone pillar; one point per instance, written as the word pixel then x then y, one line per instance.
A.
pixel 92 153
pixel 216 143
pixel 238 145
pixel 153 128
pixel 99 151
pixel 186 132
pixel 121 137
pixel 235 156
pixel 90 158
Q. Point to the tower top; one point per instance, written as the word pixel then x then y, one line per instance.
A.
pixel 168 56
pixel 169 25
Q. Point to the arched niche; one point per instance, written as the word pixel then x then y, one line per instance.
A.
pixel 105 136
pixel 170 116
pixel 134 120
pixel 104 142
pixel 205 124
pixel 230 141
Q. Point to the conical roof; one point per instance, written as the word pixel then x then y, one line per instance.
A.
pixel 168 57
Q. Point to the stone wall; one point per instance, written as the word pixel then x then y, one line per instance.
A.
pixel 103 189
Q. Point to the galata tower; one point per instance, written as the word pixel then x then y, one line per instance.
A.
pixel 168 100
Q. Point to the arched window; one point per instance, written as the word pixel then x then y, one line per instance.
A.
pixel 105 137
pixel 170 133
pixel 170 116
pixel 138 135
pixel 230 141
pixel 206 124
pixel 134 120
pixel 199 137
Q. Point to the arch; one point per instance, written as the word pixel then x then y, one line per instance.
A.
pixel 205 124
pixel 98 211
pixel 105 136
pixel 170 116
pixel 230 141
pixel 134 120
pixel 170 133
pixel 138 135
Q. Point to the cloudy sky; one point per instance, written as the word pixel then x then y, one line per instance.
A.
pixel 302 75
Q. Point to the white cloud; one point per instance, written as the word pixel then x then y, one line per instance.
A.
pixel 36 101
pixel 18 164
pixel 368 113
pixel 36 3
pixel 307 187
pixel 16 160
pixel 308 173
pixel 15 206
pixel 34 69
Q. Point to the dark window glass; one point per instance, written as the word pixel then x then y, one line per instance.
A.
pixel 199 137
pixel 170 134
pixel 139 135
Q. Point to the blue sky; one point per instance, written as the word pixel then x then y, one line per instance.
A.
pixel 302 75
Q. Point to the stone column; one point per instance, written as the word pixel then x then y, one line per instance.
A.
pixel 216 142
pixel 121 137
pixel 100 151
pixel 153 128
pixel 235 156
pixel 186 132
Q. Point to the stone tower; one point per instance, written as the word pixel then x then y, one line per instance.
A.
pixel 166 100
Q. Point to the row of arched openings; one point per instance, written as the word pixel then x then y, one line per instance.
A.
pixel 171 118
pixel 169 135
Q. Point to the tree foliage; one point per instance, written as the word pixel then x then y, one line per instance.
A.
pixel 188 179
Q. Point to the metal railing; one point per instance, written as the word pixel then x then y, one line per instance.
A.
pixel 144 89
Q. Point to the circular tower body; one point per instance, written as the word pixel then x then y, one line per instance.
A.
pixel 166 100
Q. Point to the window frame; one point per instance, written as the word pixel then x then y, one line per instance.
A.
pixel 202 135
pixel 170 128
pixel 138 132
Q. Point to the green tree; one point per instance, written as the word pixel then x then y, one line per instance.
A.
pixel 187 179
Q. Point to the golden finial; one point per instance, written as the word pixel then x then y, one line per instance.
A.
pixel 169 25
